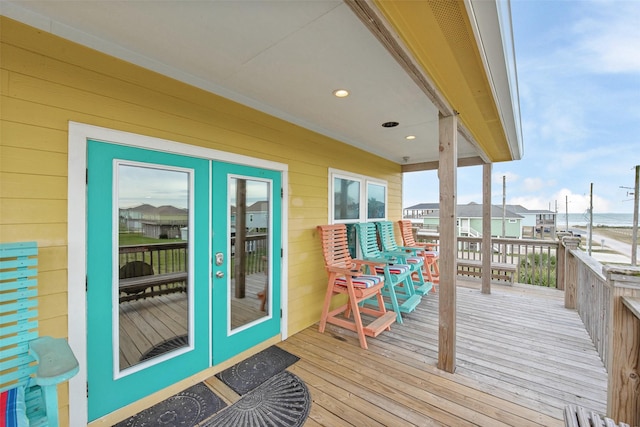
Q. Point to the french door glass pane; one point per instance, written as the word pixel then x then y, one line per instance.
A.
pixel 153 249
pixel 249 235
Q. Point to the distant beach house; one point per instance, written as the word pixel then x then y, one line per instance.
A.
pixel 519 221
pixel 420 210
pixel 535 221
pixel 154 222
pixel 256 217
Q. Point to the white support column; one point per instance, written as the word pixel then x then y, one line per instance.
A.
pixel 447 173
pixel 487 252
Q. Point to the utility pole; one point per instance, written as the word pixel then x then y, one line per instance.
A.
pixel 590 218
pixel 566 212
pixel 555 221
pixel 634 238
pixel 634 230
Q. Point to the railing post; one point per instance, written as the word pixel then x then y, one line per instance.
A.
pixel 560 265
pixel 570 271
pixel 623 398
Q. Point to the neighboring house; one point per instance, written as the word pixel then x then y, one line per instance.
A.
pixel 218 92
pixel 469 221
pixel 154 222
pixel 257 216
pixel 420 210
pixel 535 220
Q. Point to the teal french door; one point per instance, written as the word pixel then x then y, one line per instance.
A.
pixel 182 252
pixel 246 225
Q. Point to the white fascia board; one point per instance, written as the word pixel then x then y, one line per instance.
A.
pixel 491 24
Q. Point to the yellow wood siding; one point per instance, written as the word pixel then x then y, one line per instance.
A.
pixel 46 82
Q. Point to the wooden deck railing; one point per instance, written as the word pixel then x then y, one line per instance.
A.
pixel 588 291
pixel 256 248
pixel 162 257
pixel 535 260
pixel 172 257
pixel 607 299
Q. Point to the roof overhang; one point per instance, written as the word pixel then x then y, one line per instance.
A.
pixel 404 61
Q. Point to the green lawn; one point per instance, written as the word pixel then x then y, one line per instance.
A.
pixel 137 239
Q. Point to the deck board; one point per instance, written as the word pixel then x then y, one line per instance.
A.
pixel 521 358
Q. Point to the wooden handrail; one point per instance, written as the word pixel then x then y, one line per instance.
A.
pixel 633 304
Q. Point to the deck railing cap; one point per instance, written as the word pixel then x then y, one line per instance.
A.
pixel 622 276
pixel 571 242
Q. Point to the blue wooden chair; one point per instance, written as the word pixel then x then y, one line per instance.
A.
pixel 31 367
pixel 399 287
pixel 408 255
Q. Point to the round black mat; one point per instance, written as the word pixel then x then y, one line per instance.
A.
pixel 253 371
pixel 281 401
pixel 166 346
pixel 185 409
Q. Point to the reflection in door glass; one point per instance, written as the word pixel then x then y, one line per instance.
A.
pixel 249 235
pixel 153 219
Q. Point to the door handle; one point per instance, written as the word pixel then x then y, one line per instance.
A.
pixel 219 274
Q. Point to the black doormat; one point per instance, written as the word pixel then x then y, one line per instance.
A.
pixel 184 409
pixel 281 401
pixel 171 344
pixel 250 373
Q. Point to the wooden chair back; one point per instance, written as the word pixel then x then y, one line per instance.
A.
pixel 31 367
pixel 368 239
pixel 387 236
pixel 406 231
pixel 335 248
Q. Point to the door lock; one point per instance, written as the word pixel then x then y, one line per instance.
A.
pixel 219 274
pixel 219 258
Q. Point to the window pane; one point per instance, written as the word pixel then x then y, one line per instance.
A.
pixel 153 210
pixel 249 235
pixel 346 199
pixel 376 208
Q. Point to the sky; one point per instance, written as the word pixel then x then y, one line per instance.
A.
pixel 164 186
pixel 578 67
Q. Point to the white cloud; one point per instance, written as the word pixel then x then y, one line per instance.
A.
pixel 608 39
pixel 577 203
pixel 533 184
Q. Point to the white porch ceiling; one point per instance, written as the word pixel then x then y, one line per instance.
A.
pixel 281 57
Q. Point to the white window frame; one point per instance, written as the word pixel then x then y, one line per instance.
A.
pixel 364 196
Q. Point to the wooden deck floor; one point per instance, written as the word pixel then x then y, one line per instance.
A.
pixel 521 357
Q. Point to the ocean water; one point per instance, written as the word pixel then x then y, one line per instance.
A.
pixel 599 219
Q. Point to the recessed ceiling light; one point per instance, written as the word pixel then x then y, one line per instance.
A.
pixel 341 93
pixel 390 124
pixel 410 137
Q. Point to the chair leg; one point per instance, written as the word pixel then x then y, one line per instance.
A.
pixel 50 396
pixel 419 276
pixel 381 307
pixel 353 306
pixel 394 300
pixel 327 304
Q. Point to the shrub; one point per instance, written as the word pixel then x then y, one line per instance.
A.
pixel 538 269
